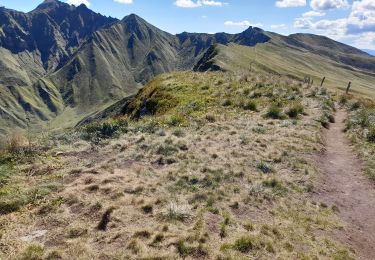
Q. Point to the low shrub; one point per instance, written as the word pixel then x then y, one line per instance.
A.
pixel 32 252
pixel 176 120
pixel 275 112
pixel 246 244
pixel 295 110
pixel 166 150
pixel 265 168
pixel 227 102
pixel 249 105
pixel 103 130
pixel 371 135
pixel 355 106
pixel 197 252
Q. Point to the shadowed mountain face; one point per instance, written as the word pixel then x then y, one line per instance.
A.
pixel 60 63
pixel 53 31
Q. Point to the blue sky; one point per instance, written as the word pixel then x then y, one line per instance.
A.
pixel 349 21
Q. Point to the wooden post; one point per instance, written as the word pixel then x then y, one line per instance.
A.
pixel 321 84
pixel 348 88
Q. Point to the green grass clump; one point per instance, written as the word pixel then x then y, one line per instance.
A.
pixel 325 119
pixel 6 169
pixel 176 120
pixel 371 135
pixel 265 167
pixel 275 112
pixel 227 102
pixel 76 232
pixel 32 252
pixel 249 105
pixel 277 187
pixel 295 110
pixel 12 199
pixel 184 250
pixel 166 150
pixel 103 130
pixel 246 244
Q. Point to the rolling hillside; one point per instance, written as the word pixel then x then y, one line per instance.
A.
pixel 90 62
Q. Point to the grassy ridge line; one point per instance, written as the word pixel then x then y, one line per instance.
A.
pixel 287 61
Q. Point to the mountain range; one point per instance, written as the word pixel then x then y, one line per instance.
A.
pixel 60 63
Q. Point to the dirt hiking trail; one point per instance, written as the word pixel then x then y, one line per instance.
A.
pixel 344 185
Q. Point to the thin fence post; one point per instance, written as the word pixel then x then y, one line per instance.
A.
pixel 348 88
pixel 321 84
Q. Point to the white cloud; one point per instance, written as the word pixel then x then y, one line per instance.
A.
pixel 279 26
pixel 303 23
pixel 324 5
pixel 244 23
pixel 126 2
pixel 366 41
pixel 290 3
pixel 313 14
pixel 362 17
pixel 78 2
pixel 212 3
pixel 360 20
pixel 333 28
pixel 198 3
pixel 188 4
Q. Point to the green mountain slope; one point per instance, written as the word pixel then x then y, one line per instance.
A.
pixel 83 62
pixel 342 65
pixel 86 66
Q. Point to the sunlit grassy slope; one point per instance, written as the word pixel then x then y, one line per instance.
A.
pixel 274 57
pixel 214 167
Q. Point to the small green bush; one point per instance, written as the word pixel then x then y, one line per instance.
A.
pixel 176 120
pixel 295 110
pixel 371 135
pixel 198 252
pixel 363 118
pixel 275 112
pixel 246 244
pixel 325 119
pixel 355 106
pixel 147 126
pixel 264 167
pixel 166 150
pixel 104 130
pixel 343 99
pixel 250 105
pixel 32 252
pixel 227 102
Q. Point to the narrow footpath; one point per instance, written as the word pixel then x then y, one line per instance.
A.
pixel 344 185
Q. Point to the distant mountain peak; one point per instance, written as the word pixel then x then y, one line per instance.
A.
pixel 133 19
pixel 50 4
pixel 137 25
